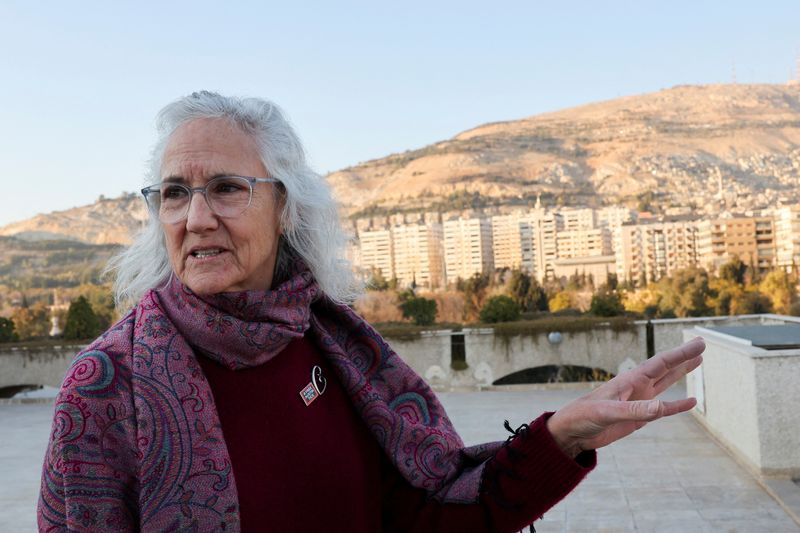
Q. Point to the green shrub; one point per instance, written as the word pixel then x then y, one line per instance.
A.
pixel 500 309
pixel 7 333
pixel 421 311
pixel 607 304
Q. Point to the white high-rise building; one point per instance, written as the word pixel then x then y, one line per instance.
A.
pixel 577 219
pixel 508 234
pixel 651 251
pixel 585 242
pixel 467 247
pixel 377 252
pixel 612 218
pixel 787 237
pixel 418 254
pixel 528 240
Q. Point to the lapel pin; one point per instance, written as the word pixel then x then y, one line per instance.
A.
pixel 315 387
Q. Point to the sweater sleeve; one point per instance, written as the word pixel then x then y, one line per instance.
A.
pixel 525 478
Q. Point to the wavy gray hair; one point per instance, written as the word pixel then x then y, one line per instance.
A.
pixel 310 221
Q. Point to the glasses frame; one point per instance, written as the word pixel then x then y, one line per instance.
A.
pixel 202 190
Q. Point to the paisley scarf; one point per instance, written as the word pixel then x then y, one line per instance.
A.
pixel 137 442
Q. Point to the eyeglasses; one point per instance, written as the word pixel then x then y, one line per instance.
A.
pixel 226 196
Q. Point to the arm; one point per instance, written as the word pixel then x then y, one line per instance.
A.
pixel 521 482
pixel 547 460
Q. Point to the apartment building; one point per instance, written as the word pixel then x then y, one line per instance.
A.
pixel 648 252
pixel 751 239
pixel 787 237
pixel 613 218
pixel 511 240
pixel 467 247
pixel 419 254
pixel 586 242
pixel 376 251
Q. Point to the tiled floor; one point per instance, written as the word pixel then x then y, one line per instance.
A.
pixel 669 476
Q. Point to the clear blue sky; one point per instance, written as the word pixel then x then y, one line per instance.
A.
pixel 80 82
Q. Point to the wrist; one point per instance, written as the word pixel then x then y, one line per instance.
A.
pixel 569 446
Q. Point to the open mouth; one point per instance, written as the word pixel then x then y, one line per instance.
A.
pixel 210 252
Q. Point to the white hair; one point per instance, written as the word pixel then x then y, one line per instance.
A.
pixel 311 228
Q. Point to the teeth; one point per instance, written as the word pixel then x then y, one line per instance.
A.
pixel 206 253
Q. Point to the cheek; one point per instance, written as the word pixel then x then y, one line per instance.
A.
pixel 173 240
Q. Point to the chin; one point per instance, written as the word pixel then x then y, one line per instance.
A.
pixel 206 285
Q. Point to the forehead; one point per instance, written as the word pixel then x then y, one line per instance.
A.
pixel 205 147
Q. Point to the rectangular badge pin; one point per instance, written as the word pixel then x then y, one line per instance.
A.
pixel 309 394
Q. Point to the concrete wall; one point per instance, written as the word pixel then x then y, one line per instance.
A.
pixel 668 332
pixel 35 366
pixel 751 399
pixel 598 348
pixel 778 401
pixel 490 357
pixel 429 356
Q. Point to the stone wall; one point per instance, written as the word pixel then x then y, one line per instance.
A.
pixel 490 357
pixel 45 365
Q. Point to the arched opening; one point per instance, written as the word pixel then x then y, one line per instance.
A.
pixel 555 374
pixel 12 390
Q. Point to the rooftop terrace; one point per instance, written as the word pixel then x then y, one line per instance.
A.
pixel 669 476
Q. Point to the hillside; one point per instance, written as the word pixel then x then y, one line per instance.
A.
pixel 107 221
pixel 678 143
pixel 44 264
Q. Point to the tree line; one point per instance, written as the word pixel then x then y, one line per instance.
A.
pixel 509 295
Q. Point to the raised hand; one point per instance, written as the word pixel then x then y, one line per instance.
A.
pixel 626 403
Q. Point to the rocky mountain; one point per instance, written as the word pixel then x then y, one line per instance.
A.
pixel 106 221
pixel 689 147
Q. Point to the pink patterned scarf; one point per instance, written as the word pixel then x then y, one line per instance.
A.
pixel 137 442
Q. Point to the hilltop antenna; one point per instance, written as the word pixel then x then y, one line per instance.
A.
pixel 733 72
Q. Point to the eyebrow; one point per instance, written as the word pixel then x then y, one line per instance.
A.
pixel 181 179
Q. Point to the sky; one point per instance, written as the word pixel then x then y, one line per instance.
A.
pixel 81 82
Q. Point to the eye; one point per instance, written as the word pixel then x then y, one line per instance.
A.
pixel 228 186
pixel 173 192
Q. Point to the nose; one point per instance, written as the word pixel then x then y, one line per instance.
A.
pixel 200 218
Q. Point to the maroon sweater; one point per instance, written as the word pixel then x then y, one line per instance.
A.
pixel 318 468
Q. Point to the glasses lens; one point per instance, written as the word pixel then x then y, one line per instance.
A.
pixel 173 199
pixel 229 196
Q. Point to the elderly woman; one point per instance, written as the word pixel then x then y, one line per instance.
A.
pixel 241 393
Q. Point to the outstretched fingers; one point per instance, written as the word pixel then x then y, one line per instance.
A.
pixel 675 374
pixel 653 376
pixel 658 366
